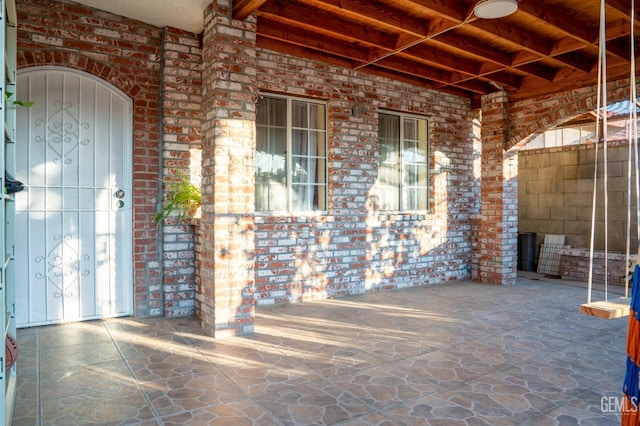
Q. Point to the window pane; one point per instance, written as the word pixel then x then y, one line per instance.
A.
pixel 299 142
pixel 410 131
pixel 403 168
pixel 270 157
pixel 308 170
pixel 307 143
pixel 416 165
pixel 307 197
pixel 277 112
pixel 309 180
pixel 303 170
pixel 388 184
pixel 416 199
pixel 299 114
pixel 317 116
pixel 304 143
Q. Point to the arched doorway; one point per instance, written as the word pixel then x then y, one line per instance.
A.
pixel 73 223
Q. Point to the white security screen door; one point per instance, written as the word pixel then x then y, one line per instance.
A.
pixel 73 221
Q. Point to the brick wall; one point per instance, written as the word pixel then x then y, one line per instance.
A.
pixel 497 260
pixel 574 265
pixel 127 54
pixel 533 116
pixel 352 249
pixel 182 145
pixel 356 248
pixel 229 92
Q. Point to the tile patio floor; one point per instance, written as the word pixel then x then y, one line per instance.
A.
pixel 460 353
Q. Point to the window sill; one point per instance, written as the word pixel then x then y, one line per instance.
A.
pixel 403 215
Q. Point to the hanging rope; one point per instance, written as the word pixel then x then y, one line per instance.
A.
pixel 631 388
pixel 601 112
pixel 633 147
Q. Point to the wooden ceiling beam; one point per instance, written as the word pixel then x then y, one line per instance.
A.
pixel 368 12
pixel 525 40
pixel 280 29
pixel 623 7
pixel 375 70
pixel 499 79
pixel 560 20
pixel 300 51
pixel 243 8
pixel 581 34
pixel 487 54
pixel 453 11
pixel 324 23
pixel 546 45
pixel 426 67
pixel 279 46
pixel 318 42
pixel 477 87
pixel 359 9
pixel 395 63
pixel 437 57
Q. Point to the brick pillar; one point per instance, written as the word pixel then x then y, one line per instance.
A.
pixel 228 145
pixel 498 233
pixel 181 122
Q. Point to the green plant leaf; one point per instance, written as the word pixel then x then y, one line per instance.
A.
pixel 182 198
pixel 25 104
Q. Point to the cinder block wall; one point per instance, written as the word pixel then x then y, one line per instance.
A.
pixel 555 195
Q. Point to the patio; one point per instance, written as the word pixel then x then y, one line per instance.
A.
pixel 460 353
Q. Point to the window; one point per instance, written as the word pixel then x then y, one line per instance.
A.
pixel 403 162
pixel 291 159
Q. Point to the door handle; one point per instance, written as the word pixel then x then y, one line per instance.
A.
pixel 119 193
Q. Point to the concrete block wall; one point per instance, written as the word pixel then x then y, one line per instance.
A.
pixel 556 195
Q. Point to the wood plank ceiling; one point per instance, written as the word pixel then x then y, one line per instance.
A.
pixel 544 47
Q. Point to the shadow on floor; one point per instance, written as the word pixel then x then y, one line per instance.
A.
pixel 458 353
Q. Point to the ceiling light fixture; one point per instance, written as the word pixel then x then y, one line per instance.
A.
pixel 494 9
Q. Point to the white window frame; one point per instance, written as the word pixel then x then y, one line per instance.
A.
pixel 401 189
pixel 289 156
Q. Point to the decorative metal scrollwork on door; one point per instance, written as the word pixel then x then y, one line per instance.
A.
pixel 62 266
pixel 62 134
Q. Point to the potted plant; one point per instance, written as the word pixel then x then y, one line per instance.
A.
pixel 183 198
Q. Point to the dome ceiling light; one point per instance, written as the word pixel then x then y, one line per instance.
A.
pixel 494 9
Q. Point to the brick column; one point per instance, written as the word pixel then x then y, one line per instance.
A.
pixel 181 122
pixel 498 233
pixel 228 145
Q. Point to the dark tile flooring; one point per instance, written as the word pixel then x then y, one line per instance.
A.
pixel 461 353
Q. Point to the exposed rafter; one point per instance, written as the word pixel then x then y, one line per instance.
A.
pixel 545 46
